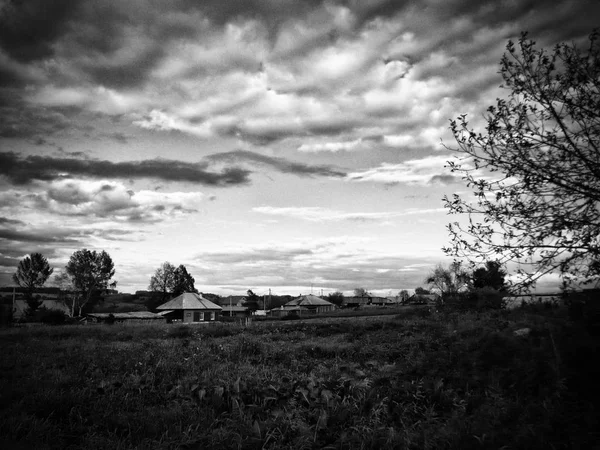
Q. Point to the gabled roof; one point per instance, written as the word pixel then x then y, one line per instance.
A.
pixel 308 300
pixel 189 300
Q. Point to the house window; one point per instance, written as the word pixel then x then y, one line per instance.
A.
pixel 197 316
pixel 209 316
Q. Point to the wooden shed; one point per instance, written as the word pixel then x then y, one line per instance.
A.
pixel 190 307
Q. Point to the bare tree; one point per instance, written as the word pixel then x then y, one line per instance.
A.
pixel 448 281
pixel 535 171
pixel 68 293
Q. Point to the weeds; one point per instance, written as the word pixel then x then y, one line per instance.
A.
pixel 437 380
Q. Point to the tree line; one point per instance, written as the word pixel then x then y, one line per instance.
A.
pixel 87 272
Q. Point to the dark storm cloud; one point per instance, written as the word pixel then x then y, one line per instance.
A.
pixel 119 137
pixel 38 236
pixel 21 120
pixel 445 179
pixel 24 170
pixel 7 221
pixel 29 28
pixel 281 164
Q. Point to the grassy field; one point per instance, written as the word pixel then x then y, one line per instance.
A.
pixel 411 380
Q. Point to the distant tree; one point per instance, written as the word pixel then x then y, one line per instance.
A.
pixel 251 301
pixel 491 276
pixel 215 298
pixel 421 291
pixel 535 171
pixel 91 272
pixel 337 298
pixel 68 292
pixel 448 281
pixel 163 281
pixel 404 295
pixel 361 292
pixel 182 281
pixel 32 272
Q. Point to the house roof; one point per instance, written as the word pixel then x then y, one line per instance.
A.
pixel 308 300
pixel 189 300
pixel 290 308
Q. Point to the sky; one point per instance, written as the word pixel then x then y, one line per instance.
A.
pixel 297 146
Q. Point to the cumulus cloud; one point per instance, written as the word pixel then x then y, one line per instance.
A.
pixel 266 71
pixel 107 199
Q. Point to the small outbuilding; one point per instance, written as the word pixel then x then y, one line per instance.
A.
pixel 190 307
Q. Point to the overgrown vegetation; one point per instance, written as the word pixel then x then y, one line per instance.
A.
pixel 452 380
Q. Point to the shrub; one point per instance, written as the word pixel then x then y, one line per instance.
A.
pixel 476 300
pixel 52 316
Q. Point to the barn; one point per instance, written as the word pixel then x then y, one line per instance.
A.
pixel 190 307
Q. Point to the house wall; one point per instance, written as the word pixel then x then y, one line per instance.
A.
pixel 202 314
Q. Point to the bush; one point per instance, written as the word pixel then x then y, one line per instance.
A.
pixel 51 316
pixel 476 300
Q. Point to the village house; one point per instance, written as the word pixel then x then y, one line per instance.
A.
pixel 380 301
pixel 190 308
pixel 233 306
pixel 304 305
pixel 355 302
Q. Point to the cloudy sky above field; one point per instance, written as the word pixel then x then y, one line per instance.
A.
pixel 263 144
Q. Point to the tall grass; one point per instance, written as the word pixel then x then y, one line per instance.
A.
pixel 455 381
